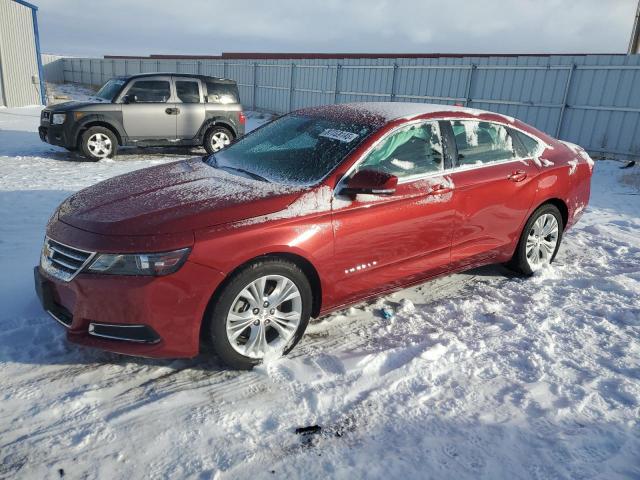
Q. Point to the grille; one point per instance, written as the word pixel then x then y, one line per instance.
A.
pixel 62 261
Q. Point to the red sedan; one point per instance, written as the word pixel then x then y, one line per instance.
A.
pixel 314 211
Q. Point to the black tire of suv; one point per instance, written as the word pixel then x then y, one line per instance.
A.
pixel 210 133
pixel 216 317
pixel 518 262
pixel 84 147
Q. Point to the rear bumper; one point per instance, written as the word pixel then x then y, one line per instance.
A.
pixel 158 317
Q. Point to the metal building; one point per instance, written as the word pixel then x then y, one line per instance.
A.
pixel 21 79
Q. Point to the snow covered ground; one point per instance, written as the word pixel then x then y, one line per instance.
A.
pixel 478 375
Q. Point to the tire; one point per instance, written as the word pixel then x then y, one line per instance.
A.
pixel 216 139
pixel 97 143
pixel 532 239
pixel 235 312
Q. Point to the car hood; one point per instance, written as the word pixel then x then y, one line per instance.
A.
pixel 171 198
pixel 71 106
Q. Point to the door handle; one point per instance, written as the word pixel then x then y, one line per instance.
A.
pixel 439 189
pixel 517 176
pixel 172 111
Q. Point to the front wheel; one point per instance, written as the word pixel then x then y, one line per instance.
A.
pixel 216 139
pixel 540 240
pixel 262 311
pixel 98 143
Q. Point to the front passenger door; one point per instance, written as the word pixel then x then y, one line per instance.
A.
pixel 148 113
pixel 386 241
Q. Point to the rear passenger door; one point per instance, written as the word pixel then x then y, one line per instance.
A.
pixel 493 192
pixel 190 107
pixel 148 115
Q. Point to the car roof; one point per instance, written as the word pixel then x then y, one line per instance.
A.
pixel 183 75
pixel 376 112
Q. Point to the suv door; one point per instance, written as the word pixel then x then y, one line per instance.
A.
pixel 149 113
pixel 189 102
pixel 494 192
pixel 381 241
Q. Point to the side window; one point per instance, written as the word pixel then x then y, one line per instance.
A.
pixel 150 91
pixel 530 145
pixel 481 142
pixel 188 91
pixel 223 93
pixel 414 150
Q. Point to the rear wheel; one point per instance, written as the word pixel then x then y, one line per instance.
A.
pixel 261 312
pixel 540 240
pixel 97 143
pixel 216 139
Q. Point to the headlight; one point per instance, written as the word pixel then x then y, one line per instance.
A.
pixel 58 118
pixel 155 264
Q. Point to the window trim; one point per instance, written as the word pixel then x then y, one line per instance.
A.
pixel 188 79
pixel 453 168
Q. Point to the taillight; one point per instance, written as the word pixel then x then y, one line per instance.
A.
pixel 241 118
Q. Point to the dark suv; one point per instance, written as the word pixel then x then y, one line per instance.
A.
pixel 148 110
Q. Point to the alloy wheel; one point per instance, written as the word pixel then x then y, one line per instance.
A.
pixel 542 241
pixel 219 140
pixel 100 145
pixel 264 316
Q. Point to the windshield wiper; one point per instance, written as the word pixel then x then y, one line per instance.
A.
pixel 255 176
pixel 213 162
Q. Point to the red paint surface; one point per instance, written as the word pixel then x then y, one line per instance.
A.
pixel 358 249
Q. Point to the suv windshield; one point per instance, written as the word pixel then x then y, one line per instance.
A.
pixel 110 89
pixel 293 150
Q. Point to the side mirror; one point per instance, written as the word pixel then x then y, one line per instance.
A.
pixel 370 182
pixel 129 99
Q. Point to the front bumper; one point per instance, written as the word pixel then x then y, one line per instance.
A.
pixel 160 316
pixel 61 135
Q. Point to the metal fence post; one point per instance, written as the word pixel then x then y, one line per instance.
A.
pixel 255 84
pixel 224 69
pixel 126 67
pixel 291 89
pixel 565 96
pixel 467 94
pixel 393 82
pixel 337 90
pixel 199 70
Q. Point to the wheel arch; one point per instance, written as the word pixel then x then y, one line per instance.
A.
pixel 214 122
pixel 301 262
pixel 98 123
pixel 560 205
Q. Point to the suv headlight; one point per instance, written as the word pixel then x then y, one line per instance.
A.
pixel 153 264
pixel 58 118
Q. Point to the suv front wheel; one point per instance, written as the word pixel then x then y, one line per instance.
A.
pixel 216 139
pixel 97 143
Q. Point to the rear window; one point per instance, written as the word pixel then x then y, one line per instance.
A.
pixel 223 93
pixel 531 146
pixel 188 91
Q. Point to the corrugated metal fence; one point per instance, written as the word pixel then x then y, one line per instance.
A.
pixel 592 100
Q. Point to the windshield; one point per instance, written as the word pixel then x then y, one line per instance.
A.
pixel 293 150
pixel 110 89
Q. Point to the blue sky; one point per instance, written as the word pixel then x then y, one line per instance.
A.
pixel 79 27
